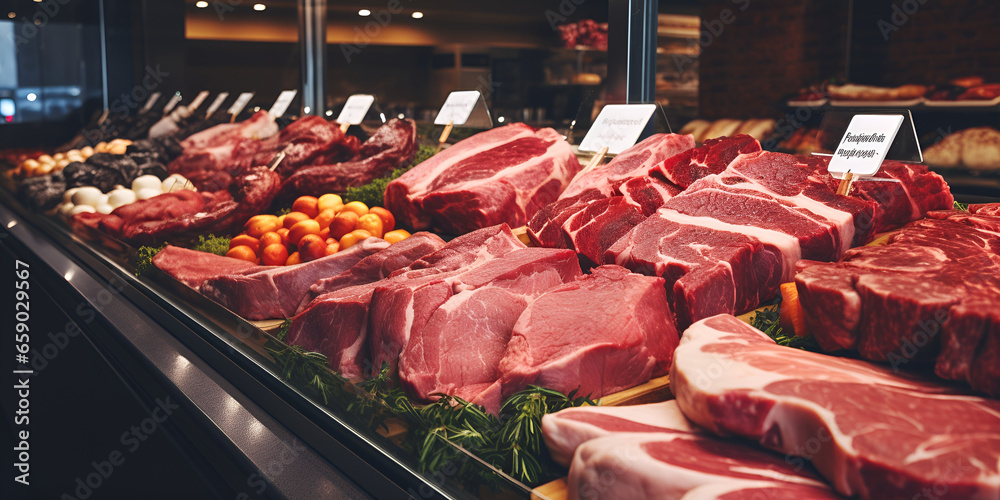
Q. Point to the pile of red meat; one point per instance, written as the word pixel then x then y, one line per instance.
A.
pixel 931 295
pixel 724 224
pixel 226 164
pixel 833 427
pixel 518 309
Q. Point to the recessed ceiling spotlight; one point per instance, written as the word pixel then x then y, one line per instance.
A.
pixel 364 12
pixel 31 96
pixel 417 15
pixel 12 14
pixel 259 7
pixel 201 5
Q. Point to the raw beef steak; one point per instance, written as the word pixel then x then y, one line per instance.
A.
pixel 869 431
pixel 503 175
pixel 635 161
pixel 627 338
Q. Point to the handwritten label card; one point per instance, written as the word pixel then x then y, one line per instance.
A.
pixel 219 99
pixel 457 107
pixel 281 105
pixel 155 96
pixel 355 109
pixel 618 126
pixel 864 145
pixel 241 102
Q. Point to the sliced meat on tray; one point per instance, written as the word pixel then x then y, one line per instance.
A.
pixel 276 291
pixel 392 146
pixel 565 430
pixel 681 466
pixel 601 333
pixel 930 295
pixel 503 175
pixel 870 431
pixel 192 267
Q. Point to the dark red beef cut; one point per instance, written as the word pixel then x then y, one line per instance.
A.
pixel 377 266
pixel 727 242
pixel 309 140
pixel 601 333
pixel 392 146
pixel 869 431
pixel 635 161
pixel 503 175
pixel 648 193
pixel 711 158
pixel 545 228
pixel 931 295
pixel 598 225
pixel 276 291
pixel 223 146
pixel 192 267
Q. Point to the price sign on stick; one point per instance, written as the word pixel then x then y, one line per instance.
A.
pixel 219 99
pixel 241 102
pixel 355 109
pixel 617 127
pixel 155 96
pixel 172 103
pixel 457 107
pixel 284 100
pixel 863 148
pixel 198 99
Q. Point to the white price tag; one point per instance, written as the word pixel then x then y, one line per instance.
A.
pixel 155 96
pixel 219 99
pixel 284 100
pixel 355 109
pixel 172 102
pixel 198 99
pixel 457 107
pixel 864 145
pixel 618 126
pixel 241 102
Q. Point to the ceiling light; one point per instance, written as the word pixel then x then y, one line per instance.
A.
pixel 401 116
pixel 306 110
pixel 364 12
pixel 500 119
pixel 329 112
pixel 417 15
pixel 31 96
pixel 38 1
pixel 201 5
pixel 259 7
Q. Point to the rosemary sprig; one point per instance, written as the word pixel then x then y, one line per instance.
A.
pixel 767 320
pixel 282 331
pixel 961 207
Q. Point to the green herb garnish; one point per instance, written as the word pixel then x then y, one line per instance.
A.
pixel 144 258
pixel 219 245
pixel 767 320
pixel 961 207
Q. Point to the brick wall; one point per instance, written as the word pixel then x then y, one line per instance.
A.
pixel 775 47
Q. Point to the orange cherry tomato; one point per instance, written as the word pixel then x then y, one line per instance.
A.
pixel 353 237
pixel 260 224
pixel 325 217
pixel 396 236
pixel 388 220
pixel 311 247
pixel 371 223
pixel 242 252
pixel 301 229
pixel 274 254
pixel 293 259
pixel 329 201
pixel 332 248
pixel 306 205
pixel 292 218
pixel 269 238
pixel 342 224
pixel 356 207
pixel 245 240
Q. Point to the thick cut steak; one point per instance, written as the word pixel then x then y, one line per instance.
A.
pixel 648 193
pixel 482 303
pixel 276 291
pixel 545 228
pixel 635 161
pixel 503 175
pixel 711 158
pixel 192 267
pixel 403 303
pixel 377 266
pixel 869 431
pixel 599 225
pixel 931 294
pixel 627 338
